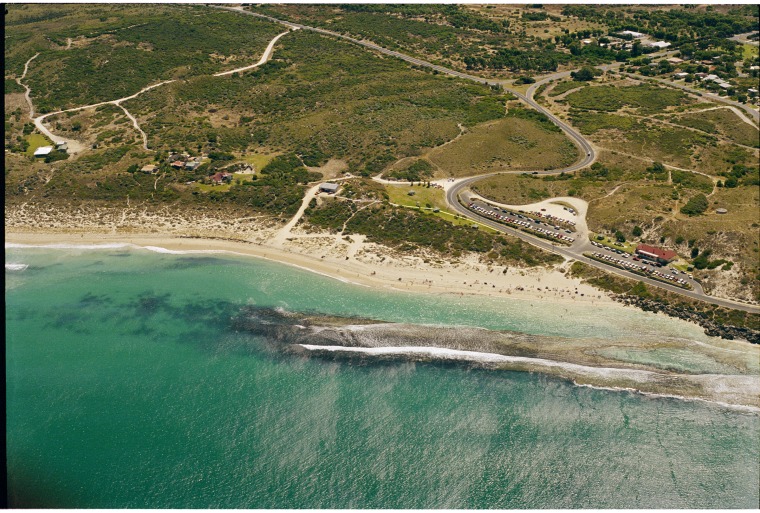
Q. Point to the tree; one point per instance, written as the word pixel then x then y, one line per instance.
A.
pixel 619 236
pixel 637 231
pixel 695 206
pixel 636 50
pixel 583 75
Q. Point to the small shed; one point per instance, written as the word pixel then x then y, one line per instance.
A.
pixel 43 151
pixel 150 168
pixel 329 188
pixel 61 145
pixel 721 211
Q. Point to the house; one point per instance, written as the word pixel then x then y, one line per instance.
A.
pixel 660 255
pixel 725 85
pixel 150 168
pixel 631 33
pixel 61 146
pixel 192 165
pixel 328 187
pixel 178 164
pixel 675 60
pixel 43 151
pixel 711 78
pixel 219 178
pixel 752 92
pixel 754 68
pixel 659 44
pixel 680 75
pixel 700 76
pixel 587 41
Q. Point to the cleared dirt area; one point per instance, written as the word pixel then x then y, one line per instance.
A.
pixel 506 144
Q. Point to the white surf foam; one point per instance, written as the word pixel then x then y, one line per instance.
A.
pixel 474 356
pixel 15 267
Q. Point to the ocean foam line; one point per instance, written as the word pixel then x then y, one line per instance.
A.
pixel 475 356
pixel 158 249
pixel 9 266
pixel 740 407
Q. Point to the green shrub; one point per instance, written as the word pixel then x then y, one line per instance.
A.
pixel 695 206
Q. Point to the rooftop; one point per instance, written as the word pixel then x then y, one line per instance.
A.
pixel 665 254
pixel 43 151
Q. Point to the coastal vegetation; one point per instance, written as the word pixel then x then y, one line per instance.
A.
pixel 410 231
pixel 463 37
pixel 131 49
pixel 519 141
pixel 321 98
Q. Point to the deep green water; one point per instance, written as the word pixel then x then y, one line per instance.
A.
pixel 127 387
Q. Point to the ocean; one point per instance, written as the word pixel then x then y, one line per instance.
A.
pixel 131 384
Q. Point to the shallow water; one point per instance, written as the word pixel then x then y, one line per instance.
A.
pixel 128 386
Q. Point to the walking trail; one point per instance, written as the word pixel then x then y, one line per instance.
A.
pixel 76 147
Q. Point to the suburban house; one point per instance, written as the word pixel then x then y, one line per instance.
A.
pixel 631 33
pixel 675 60
pixel 149 168
pixel 656 254
pixel 178 164
pixel 329 188
pixel 220 178
pixel 659 44
pixel 680 75
pixel 43 151
pixel 192 165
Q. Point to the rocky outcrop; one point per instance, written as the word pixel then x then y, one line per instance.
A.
pixel 711 327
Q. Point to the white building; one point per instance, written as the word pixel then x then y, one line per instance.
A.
pixel 659 44
pixel 43 151
pixel 631 33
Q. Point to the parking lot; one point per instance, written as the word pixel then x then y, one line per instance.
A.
pixel 524 222
pixel 634 263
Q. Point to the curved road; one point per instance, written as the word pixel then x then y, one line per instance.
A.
pixel 588 156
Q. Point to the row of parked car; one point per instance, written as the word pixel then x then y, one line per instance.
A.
pixel 647 267
pixel 520 220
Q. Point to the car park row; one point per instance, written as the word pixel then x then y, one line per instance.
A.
pixel 644 267
pixel 525 223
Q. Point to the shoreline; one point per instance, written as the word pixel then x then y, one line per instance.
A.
pixel 371 269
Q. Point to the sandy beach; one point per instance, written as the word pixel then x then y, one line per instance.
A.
pixel 350 259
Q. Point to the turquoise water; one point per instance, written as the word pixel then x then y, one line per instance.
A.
pixel 127 386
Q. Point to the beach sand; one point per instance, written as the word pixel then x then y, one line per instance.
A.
pixel 350 259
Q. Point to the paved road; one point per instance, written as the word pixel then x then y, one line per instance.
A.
pixel 710 96
pixel 588 157
pixel 576 250
pixel 587 151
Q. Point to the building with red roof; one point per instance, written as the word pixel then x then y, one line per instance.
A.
pixel 654 253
